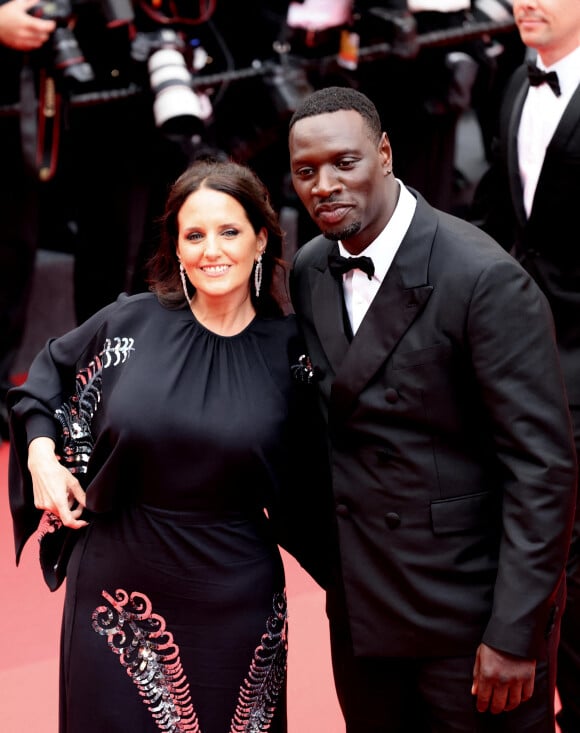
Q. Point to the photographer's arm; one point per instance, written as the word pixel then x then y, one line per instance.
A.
pixel 21 31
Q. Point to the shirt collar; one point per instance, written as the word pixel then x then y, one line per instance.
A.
pixel 383 249
pixel 568 70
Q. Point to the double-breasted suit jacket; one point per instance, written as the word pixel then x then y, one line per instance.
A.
pixel 547 243
pixel 452 458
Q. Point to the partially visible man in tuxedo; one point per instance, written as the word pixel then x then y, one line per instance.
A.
pixel 528 201
pixel 451 446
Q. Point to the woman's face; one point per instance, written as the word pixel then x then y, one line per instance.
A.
pixel 217 245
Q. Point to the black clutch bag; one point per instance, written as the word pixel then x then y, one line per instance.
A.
pixel 55 546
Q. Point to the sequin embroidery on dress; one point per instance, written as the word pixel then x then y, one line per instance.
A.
pixel 75 417
pixel 261 689
pixel 151 657
pixel 77 414
pixel 147 651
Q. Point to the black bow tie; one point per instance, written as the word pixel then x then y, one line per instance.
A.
pixel 339 265
pixel 537 76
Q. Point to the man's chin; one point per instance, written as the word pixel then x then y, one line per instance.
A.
pixel 334 236
pixel 343 234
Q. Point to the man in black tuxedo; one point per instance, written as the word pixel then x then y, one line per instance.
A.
pixel 528 201
pixel 450 439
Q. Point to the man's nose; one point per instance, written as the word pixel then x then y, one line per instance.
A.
pixel 326 182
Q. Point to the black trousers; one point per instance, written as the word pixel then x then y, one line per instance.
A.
pixel 568 680
pixel 430 694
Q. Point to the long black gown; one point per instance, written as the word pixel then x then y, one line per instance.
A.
pixel 175 608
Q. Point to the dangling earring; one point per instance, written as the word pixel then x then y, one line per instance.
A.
pixel 184 282
pixel 258 275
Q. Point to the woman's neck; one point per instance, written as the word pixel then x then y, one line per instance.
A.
pixel 223 318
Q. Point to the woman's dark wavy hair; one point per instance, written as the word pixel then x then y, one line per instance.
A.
pixel 242 184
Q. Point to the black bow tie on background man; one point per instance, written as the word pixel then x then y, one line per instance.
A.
pixel 338 265
pixel 537 76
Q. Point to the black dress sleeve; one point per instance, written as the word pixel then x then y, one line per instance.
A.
pixel 32 407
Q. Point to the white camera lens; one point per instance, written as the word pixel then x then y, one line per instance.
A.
pixel 177 108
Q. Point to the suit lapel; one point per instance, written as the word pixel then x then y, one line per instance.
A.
pixel 328 315
pixel 568 123
pixel 564 130
pixel 400 299
pixel 515 180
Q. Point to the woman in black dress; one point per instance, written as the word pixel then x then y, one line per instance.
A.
pixel 168 435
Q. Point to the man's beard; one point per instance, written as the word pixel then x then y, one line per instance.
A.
pixel 345 233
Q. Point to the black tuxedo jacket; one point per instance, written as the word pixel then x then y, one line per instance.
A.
pixel 547 243
pixel 452 458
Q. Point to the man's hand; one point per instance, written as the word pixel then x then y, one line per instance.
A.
pixel 19 30
pixel 501 681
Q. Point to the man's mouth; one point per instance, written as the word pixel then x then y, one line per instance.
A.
pixel 331 214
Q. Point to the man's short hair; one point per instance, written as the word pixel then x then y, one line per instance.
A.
pixel 335 99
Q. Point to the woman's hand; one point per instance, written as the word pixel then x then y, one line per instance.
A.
pixel 55 488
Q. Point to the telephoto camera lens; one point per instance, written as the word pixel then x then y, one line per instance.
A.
pixel 177 108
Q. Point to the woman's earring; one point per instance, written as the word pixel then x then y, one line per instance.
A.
pixel 258 276
pixel 184 282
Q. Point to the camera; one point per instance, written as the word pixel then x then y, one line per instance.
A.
pixel 58 10
pixel 288 86
pixel 68 58
pixel 177 108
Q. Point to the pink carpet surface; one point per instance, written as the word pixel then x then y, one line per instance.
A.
pixel 30 624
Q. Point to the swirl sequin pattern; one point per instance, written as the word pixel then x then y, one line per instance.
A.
pixel 148 652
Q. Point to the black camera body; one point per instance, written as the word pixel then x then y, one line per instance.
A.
pixel 115 12
pixel 58 10
pixel 68 57
pixel 145 44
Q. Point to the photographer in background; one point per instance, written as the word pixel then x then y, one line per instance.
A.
pixel 82 161
pixel 19 34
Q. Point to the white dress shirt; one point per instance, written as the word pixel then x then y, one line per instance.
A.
pixel 359 291
pixel 540 117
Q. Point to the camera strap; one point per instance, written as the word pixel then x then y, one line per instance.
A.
pixel 39 123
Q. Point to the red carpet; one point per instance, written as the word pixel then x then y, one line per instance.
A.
pixel 30 622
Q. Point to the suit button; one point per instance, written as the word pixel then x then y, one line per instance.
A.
pixel 383 455
pixel 391 395
pixel 342 510
pixel 393 520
